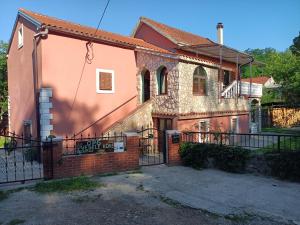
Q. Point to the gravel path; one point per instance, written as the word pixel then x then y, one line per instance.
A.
pixel 124 202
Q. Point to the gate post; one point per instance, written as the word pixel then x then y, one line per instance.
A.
pixel 172 147
pixel 52 152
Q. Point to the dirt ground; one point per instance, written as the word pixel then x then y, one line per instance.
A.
pixel 112 203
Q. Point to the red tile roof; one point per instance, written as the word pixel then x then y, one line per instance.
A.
pixel 89 32
pixel 176 35
pixel 257 80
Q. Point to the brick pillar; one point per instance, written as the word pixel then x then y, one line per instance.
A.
pixel 132 148
pixel 52 154
pixel 173 157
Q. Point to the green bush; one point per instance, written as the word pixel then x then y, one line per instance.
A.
pixel 285 165
pixel 232 159
pixel 194 155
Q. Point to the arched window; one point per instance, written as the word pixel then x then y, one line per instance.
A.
pixel 162 80
pixel 145 85
pixel 199 81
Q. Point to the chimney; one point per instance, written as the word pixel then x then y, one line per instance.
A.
pixel 220 33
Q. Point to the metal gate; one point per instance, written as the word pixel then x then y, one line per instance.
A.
pixel 152 145
pixel 20 159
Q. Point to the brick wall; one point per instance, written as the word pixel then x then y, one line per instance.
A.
pixel 173 152
pixel 90 164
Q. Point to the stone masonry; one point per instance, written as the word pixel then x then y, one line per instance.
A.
pixel 161 103
pixel 180 98
pixel 191 103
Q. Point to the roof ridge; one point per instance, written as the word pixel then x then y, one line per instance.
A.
pixel 53 22
pixel 174 28
pixel 80 25
pixel 54 18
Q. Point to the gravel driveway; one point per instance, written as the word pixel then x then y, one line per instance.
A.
pixel 157 195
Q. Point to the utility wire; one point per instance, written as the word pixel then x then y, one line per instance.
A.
pixel 89 46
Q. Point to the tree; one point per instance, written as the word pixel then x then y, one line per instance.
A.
pixel 261 55
pixel 3 78
pixel 295 47
pixel 284 67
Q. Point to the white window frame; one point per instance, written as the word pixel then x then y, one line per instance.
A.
pixel 98 90
pixel 237 124
pixel 207 121
pixel 20 37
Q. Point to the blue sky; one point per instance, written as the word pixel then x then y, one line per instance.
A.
pixel 247 24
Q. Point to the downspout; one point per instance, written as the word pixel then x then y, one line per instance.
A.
pixel 240 67
pixel 35 76
pixel 250 62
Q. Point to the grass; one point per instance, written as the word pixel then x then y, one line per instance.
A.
pixel 281 130
pixel 2 141
pixel 16 221
pixel 67 185
pixel 289 144
pixel 241 218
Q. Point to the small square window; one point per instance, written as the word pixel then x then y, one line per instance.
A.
pixel 203 131
pixel 234 125
pixel 20 36
pixel 105 81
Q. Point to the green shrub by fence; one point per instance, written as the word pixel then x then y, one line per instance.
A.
pixel 284 165
pixel 231 159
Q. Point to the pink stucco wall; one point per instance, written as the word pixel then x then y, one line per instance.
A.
pixel 62 66
pixel 20 80
pixel 216 123
pixel 150 35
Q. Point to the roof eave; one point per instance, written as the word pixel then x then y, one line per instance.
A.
pixel 195 49
pixel 29 19
pixel 152 51
pixel 154 28
pixel 89 37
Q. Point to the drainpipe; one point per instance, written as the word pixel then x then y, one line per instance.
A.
pixel 40 34
pixel 240 67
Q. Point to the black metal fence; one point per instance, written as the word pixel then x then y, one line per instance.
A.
pixel 84 144
pixel 265 142
pixel 20 158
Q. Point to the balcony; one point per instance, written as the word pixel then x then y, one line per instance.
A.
pixel 242 89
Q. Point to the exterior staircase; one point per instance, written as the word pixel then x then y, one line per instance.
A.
pixel 141 116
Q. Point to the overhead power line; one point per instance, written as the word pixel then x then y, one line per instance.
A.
pixel 89 46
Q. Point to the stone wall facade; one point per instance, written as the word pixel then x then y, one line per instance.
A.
pixel 168 103
pixel 180 100
pixel 209 103
pixel 141 117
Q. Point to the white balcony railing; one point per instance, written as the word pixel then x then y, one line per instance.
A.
pixel 245 88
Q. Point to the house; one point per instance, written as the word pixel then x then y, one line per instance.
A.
pixel 266 81
pixel 65 78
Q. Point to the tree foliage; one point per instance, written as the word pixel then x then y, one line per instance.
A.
pixel 295 47
pixel 284 67
pixel 3 78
